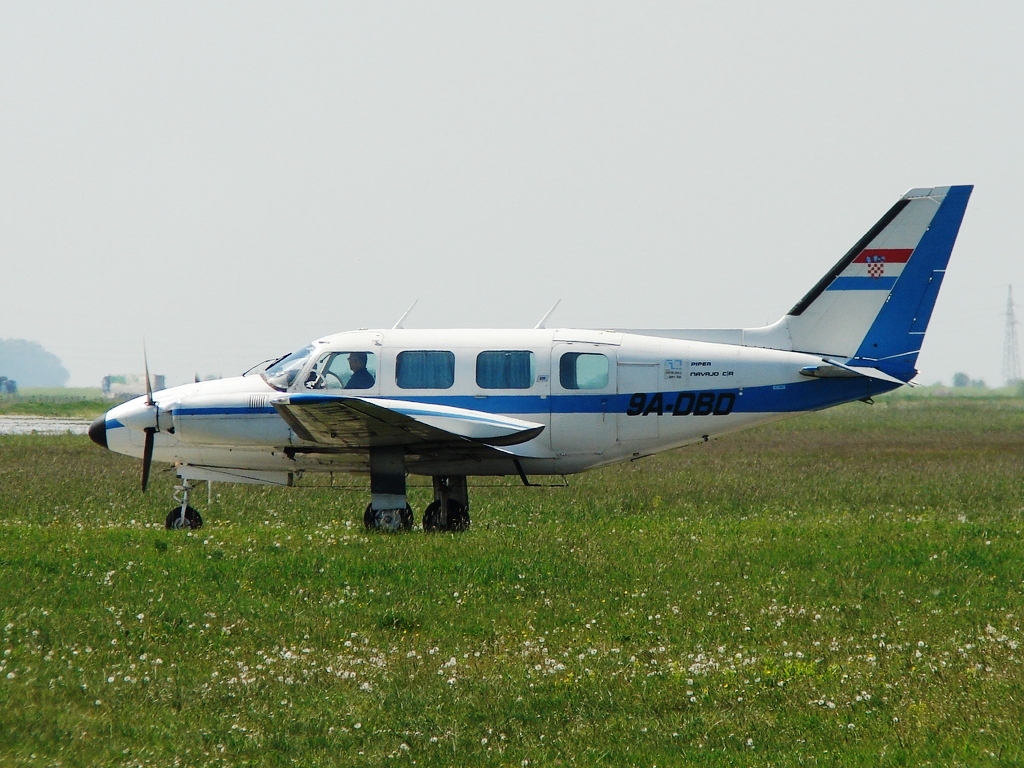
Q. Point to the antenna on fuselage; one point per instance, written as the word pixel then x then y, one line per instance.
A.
pixel 405 315
pixel 544 319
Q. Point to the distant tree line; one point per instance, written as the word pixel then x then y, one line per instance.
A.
pixel 28 364
pixel 963 381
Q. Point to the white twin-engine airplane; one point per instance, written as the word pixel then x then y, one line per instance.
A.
pixel 455 403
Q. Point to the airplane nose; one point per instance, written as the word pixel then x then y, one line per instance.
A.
pixel 98 431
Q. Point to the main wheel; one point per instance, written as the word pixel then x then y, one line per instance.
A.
pixel 387 519
pixel 192 519
pixel 458 517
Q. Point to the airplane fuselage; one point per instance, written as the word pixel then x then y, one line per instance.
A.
pixel 601 396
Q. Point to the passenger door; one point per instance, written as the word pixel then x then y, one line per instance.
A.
pixel 582 398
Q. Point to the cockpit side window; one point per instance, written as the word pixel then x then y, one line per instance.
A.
pixel 283 373
pixel 344 370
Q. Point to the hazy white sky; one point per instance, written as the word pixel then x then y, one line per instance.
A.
pixel 231 180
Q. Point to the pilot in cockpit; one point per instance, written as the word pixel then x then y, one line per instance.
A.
pixel 361 378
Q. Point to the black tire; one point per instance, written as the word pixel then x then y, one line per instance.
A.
pixel 458 517
pixel 192 519
pixel 372 520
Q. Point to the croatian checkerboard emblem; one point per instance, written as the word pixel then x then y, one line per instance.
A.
pixel 876 265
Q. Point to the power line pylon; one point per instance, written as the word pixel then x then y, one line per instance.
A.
pixel 1011 350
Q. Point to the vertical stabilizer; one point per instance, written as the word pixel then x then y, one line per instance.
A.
pixel 873 307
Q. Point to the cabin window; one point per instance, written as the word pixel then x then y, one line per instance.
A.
pixel 425 369
pixel 344 370
pixel 505 369
pixel 583 370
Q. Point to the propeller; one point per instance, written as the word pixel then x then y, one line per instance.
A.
pixel 147 447
pixel 147 456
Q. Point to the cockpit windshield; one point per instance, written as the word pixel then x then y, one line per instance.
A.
pixel 261 367
pixel 281 374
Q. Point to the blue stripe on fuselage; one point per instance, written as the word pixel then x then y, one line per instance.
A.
pixel 809 395
pixel 226 410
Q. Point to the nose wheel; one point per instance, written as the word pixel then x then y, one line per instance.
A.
pixel 178 519
pixel 183 516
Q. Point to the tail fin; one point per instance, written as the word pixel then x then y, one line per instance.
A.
pixel 873 307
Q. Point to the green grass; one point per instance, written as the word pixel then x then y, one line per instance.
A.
pixel 840 588
pixel 83 402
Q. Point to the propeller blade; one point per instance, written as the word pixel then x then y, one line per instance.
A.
pixel 147 456
pixel 149 385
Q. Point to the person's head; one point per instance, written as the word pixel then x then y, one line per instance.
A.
pixel 357 360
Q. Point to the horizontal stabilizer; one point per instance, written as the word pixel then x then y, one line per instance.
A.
pixel 836 370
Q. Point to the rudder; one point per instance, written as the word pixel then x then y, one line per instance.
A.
pixel 894 340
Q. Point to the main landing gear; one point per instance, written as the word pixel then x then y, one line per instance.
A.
pixel 183 516
pixel 448 512
pixel 389 509
pixel 387 519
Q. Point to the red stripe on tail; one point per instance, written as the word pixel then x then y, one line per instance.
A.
pixel 886 255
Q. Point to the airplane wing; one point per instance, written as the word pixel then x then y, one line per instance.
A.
pixel 358 423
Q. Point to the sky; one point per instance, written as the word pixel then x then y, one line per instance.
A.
pixel 224 182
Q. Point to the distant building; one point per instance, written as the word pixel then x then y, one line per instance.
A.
pixel 126 385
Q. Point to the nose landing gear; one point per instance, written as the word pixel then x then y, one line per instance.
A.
pixel 183 516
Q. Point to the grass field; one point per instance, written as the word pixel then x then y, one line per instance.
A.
pixel 82 402
pixel 843 588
